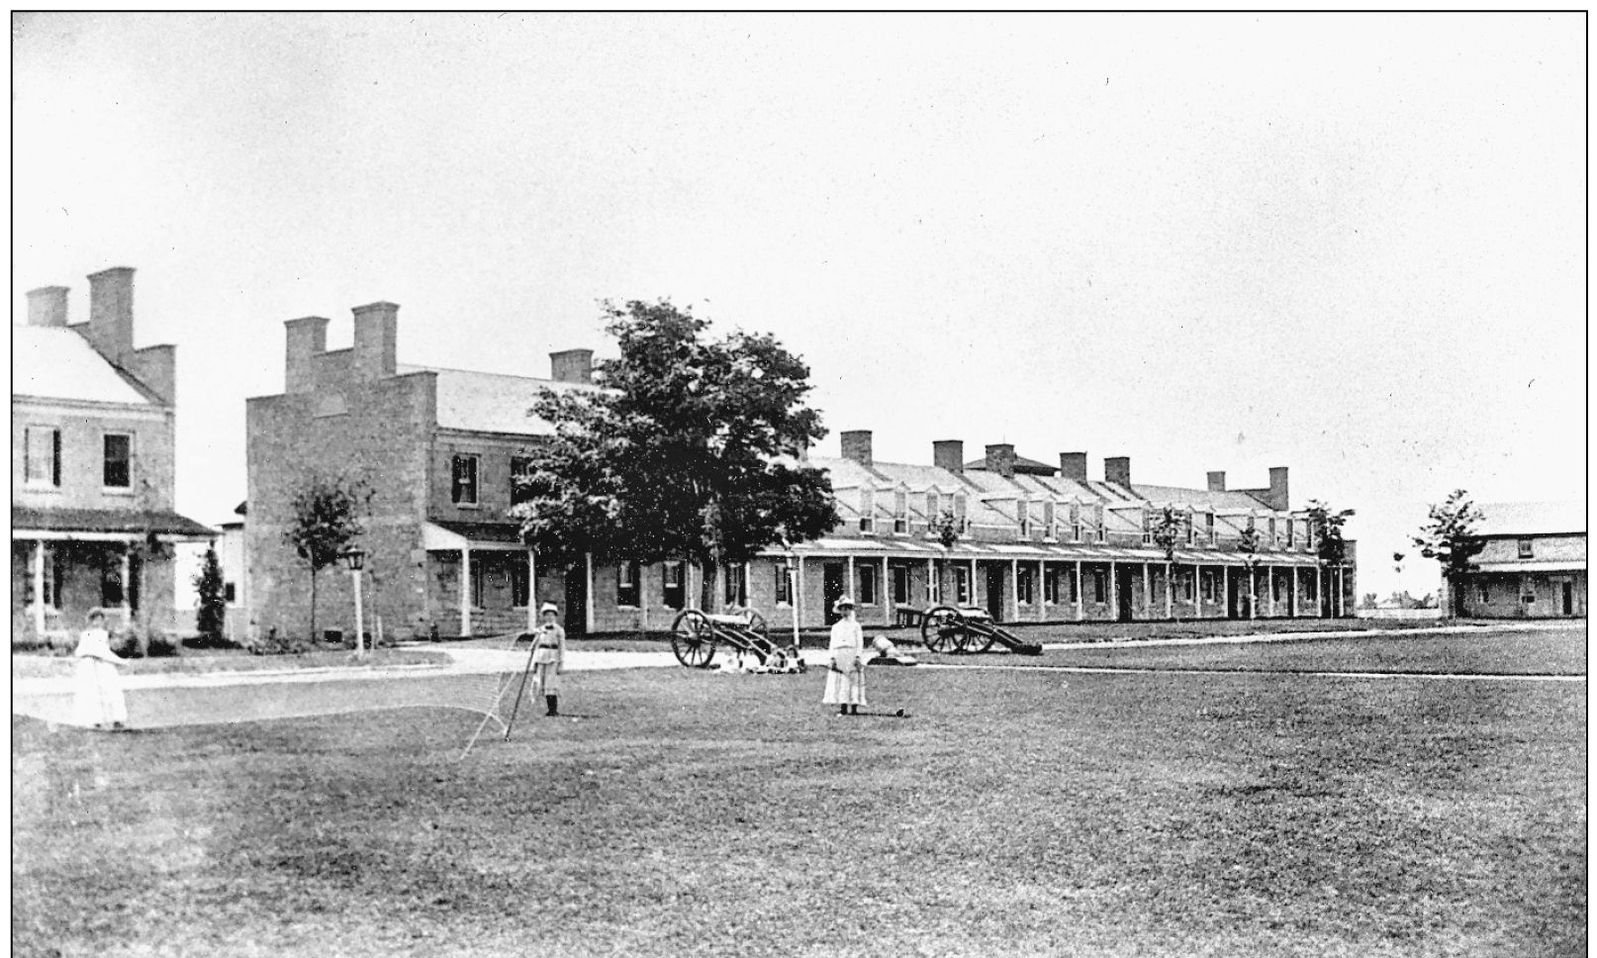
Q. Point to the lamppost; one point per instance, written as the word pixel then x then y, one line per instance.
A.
pixel 356 560
pixel 793 596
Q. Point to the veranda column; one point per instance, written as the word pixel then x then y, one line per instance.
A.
pixel 798 595
pixel 38 586
pixel 127 592
pixel 851 586
pixel 887 595
pixel 1269 587
pixel 1014 589
pixel 972 582
pixel 1225 591
pixel 587 592
pixel 933 593
pixel 1147 588
pixel 1114 590
pixel 1169 589
pixel 465 590
pixel 1042 583
pixel 1079 596
pixel 532 592
pixel 643 594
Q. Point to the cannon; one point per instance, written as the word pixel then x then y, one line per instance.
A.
pixel 968 631
pixel 696 634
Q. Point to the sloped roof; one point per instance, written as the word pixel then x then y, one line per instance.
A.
pixel 54 362
pixel 490 402
pixel 1531 518
pixel 1198 497
pixel 1022 465
pixel 107 520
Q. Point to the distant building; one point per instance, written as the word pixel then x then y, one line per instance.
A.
pixel 92 419
pixel 1533 565
pixel 438 449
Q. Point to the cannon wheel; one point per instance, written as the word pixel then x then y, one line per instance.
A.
pixel 693 639
pixel 976 639
pixel 942 628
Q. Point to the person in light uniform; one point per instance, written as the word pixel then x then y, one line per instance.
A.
pixel 99 700
pixel 548 657
pixel 845 677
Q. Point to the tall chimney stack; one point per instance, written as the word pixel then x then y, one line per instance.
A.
pixel 111 312
pixel 47 306
pixel 1217 482
pixel 1117 469
pixel 376 328
pixel 857 445
pixel 949 454
pixel 572 366
pixel 1279 498
pixel 307 339
pixel 1001 459
pixel 1073 465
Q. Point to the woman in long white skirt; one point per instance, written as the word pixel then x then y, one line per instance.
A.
pixel 99 701
pixel 845 678
pixel 549 657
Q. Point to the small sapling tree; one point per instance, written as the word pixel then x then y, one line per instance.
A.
pixel 212 614
pixel 1167 527
pixel 1248 546
pixel 323 522
pixel 1448 536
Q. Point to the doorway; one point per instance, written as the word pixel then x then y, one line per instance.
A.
pixel 576 618
pixel 1123 595
pixel 995 592
pixel 832 574
pixel 1234 597
pixel 1566 601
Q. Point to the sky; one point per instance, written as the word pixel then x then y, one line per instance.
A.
pixel 1350 244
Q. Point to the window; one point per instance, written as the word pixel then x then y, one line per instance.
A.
pixel 867 585
pixel 1189 526
pixel 1206 585
pixel 932 506
pixel 1100 586
pixel 1184 576
pixel 1023 585
pixel 735 577
pixel 463 480
pixel 1023 518
pixel 479 581
pixel 627 584
pixel 960 521
pixel 111 582
pixel 934 587
pixel 1525 549
pixel 520 469
pixel 672 592
pixel 1484 594
pixel 1291 534
pixel 1102 530
pixel 1048 517
pixel 784 584
pixel 41 448
pixel 1075 521
pixel 1311 587
pixel 229 593
pixel 1147 527
pixel 118 471
pixel 1275 587
pixel 1072 589
pixel 22 556
pixel 1208 525
pixel 900 513
pixel 900 584
pixel 1050 585
pixel 520 591
pixel 1273 539
pixel 867 510
pixel 962 585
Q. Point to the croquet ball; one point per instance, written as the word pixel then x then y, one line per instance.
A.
pixel 899 713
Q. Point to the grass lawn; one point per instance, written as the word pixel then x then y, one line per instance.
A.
pixel 55 666
pixel 689 813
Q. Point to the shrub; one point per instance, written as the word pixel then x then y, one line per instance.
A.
pixel 277 643
pixel 137 641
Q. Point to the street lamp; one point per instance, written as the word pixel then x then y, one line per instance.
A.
pixel 356 560
pixel 793 596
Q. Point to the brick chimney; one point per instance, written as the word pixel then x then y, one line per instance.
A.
pixel 1073 465
pixel 307 339
pixel 857 446
pixel 1001 459
pixel 47 306
pixel 1217 482
pixel 1279 498
pixel 571 366
pixel 111 312
pixel 376 329
pixel 1117 469
pixel 949 454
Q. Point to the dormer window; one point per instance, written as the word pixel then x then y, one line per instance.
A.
pixel 1208 523
pixel 1291 534
pixel 1048 517
pixel 1274 539
pixel 961 519
pixel 1023 518
pixel 1147 527
pixel 1186 521
pixel 1101 526
pixel 933 507
pixel 867 511
pixel 1075 521
pixel 900 513
pixel 1526 549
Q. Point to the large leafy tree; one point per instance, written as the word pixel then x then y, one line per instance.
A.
pixel 1325 525
pixel 690 450
pixel 1167 528
pixel 1448 536
pixel 323 521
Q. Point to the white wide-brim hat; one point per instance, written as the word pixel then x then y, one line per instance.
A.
pixel 843 602
pixel 549 607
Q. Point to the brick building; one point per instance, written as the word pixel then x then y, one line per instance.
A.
pixel 1533 564
pixel 438 447
pixel 92 421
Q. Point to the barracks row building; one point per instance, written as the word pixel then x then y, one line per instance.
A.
pixel 437 449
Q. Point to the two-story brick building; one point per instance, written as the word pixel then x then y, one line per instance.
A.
pixel 92 421
pixel 1532 565
pixel 437 449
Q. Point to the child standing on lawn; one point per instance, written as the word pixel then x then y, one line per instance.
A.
pixel 99 700
pixel 548 656
pixel 845 677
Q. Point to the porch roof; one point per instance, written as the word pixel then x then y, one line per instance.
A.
pixel 900 548
pixel 120 524
pixel 446 535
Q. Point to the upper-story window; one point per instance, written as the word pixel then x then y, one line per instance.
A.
pixel 961 518
pixel 784 584
pixel 520 468
pixel 737 584
pixel 118 470
pixel 867 510
pixel 1208 526
pixel 1101 527
pixel 1075 521
pixel 900 512
pixel 1273 539
pixel 1147 527
pixel 1526 551
pixel 1291 534
pixel 1190 527
pixel 41 448
pixel 933 507
pixel 1023 518
pixel 463 480
pixel 1048 517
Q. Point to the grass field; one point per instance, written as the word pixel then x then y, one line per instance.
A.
pixel 689 813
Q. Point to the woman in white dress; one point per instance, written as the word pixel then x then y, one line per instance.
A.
pixel 845 678
pixel 99 700
pixel 549 656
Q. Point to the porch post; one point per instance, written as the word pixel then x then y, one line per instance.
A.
pixel 933 593
pixel 798 595
pixel 587 592
pixel 973 582
pixel 465 590
pixel 887 595
pixel 532 592
pixel 1169 589
pixel 1269 587
pixel 1225 591
pixel 38 586
pixel 643 595
pixel 851 586
pixel 1114 590
pixel 1079 596
pixel 1014 589
pixel 1147 588
pixel 1042 583
pixel 126 572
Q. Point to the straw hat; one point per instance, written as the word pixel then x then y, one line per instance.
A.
pixel 549 607
pixel 843 602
